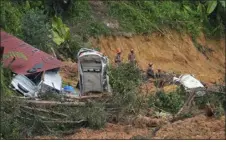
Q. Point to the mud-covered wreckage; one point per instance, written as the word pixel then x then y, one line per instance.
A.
pixel 92 69
pixel 34 70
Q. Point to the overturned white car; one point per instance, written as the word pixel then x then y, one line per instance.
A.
pixel 39 83
pixel 92 68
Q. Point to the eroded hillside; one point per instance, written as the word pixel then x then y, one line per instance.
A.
pixel 170 52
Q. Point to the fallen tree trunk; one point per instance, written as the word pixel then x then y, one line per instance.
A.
pixel 65 122
pixel 44 110
pixel 54 103
pixel 38 116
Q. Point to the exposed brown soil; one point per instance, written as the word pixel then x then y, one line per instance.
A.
pixel 69 73
pixel 170 52
pixel 111 131
pixel 198 127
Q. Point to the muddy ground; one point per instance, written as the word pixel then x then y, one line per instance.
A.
pixel 172 53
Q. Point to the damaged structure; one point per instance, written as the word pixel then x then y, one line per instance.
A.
pixel 34 70
pixel 92 69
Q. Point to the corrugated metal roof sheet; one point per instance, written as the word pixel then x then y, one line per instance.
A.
pixel 26 56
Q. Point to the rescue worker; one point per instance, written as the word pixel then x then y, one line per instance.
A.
pixel 118 58
pixel 159 73
pixel 160 79
pixel 132 57
pixel 150 71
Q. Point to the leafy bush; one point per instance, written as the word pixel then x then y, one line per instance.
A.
pixel 96 115
pixel 124 78
pixel 10 17
pixel 125 81
pixel 170 102
pixel 6 76
pixel 61 33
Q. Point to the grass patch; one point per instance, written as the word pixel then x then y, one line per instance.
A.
pixel 148 16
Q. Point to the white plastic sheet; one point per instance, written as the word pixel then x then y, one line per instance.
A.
pixel 189 81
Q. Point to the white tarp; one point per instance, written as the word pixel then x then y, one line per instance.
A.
pixel 189 82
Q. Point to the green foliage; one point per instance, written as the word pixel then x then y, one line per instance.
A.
pixel 71 47
pixel 170 102
pixel 211 6
pixel 20 123
pixel 125 77
pixel 79 10
pixel 10 126
pixel 96 28
pixel 5 75
pixel 216 100
pixel 125 81
pixel 10 17
pixel 81 21
pixel 36 29
pixel 96 115
pixel 60 31
pixel 148 16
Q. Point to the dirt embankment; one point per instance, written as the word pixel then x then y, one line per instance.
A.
pixel 170 52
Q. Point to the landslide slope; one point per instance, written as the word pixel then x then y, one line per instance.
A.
pixel 170 52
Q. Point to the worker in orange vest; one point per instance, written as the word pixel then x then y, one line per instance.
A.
pixel 118 58
pixel 132 57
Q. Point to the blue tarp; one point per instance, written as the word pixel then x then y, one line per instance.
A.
pixel 68 88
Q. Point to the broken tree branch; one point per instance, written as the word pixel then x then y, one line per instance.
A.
pixel 191 97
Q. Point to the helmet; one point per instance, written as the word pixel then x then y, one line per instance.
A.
pixel 150 64
pixel 118 50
